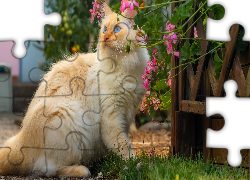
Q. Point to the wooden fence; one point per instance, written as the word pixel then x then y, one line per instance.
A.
pixel 190 89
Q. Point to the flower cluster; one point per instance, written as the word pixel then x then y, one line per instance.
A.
pixel 125 4
pixel 154 102
pixel 152 67
pixel 144 106
pixel 171 39
pixel 96 11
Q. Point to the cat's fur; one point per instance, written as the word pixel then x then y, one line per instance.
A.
pixel 57 123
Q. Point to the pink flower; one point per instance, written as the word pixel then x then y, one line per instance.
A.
pixel 152 162
pixel 177 54
pixel 195 33
pixel 169 27
pixel 126 167
pixel 146 84
pixel 123 7
pixel 139 164
pixel 131 4
pixel 170 39
pixel 96 11
pixel 169 81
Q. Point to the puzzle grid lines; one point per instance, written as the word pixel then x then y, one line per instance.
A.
pixel 98 111
pixel 61 122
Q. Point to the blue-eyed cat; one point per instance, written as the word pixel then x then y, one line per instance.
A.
pixel 56 139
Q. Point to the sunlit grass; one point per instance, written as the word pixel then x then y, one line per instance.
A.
pixel 156 168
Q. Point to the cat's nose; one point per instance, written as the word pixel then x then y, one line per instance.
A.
pixel 106 38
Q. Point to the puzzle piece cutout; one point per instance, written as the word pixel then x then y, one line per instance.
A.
pixel 235 112
pixel 30 13
pixel 235 13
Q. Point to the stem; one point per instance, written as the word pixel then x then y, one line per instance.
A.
pixel 188 63
pixel 197 39
pixel 195 22
pixel 192 16
pixel 162 4
pixel 153 10
pixel 176 30
pixel 148 46
pixel 179 72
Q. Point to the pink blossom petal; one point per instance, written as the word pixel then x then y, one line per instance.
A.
pixel 127 4
pixel 177 54
pixel 131 7
pixel 136 4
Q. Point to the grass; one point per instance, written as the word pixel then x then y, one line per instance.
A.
pixel 155 167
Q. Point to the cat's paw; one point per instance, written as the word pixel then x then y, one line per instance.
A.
pixel 73 171
pixel 127 154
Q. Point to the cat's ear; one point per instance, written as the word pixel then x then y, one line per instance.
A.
pixel 107 9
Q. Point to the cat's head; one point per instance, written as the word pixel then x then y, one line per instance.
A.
pixel 116 30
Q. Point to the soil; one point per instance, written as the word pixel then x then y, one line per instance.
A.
pixel 160 140
pixel 146 140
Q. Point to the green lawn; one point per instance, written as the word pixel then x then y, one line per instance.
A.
pixel 157 168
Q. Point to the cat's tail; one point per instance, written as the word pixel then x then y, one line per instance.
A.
pixel 11 158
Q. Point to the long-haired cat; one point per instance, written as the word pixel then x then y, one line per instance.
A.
pixel 81 105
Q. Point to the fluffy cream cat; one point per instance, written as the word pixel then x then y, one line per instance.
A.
pixel 90 104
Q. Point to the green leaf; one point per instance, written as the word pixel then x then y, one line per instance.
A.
pixel 185 52
pixel 218 11
pixel 116 8
pixel 174 19
pixel 140 20
pixel 195 48
pixel 189 3
pixel 165 101
pixel 183 11
pixel 128 46
pixel 158 1
pixel 160 85
pixel 240 44
pixel 217 65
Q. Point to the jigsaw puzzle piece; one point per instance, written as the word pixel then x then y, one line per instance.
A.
pixel 31 28
pixel 218 30
pixel 232 109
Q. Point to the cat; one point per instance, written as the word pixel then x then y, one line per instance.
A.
pixel 59 132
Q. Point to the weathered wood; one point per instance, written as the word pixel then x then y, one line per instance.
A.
pixel 211 73
pixel 247 87
pixel 185 137
pixel 195 107
pixel 204 47
pixel 174 94
pixel 239 76
pixel 227 62
pixel 174 103
pixel 206 121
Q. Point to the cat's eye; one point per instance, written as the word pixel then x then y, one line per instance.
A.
pixel 104 30
pixel 117 29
